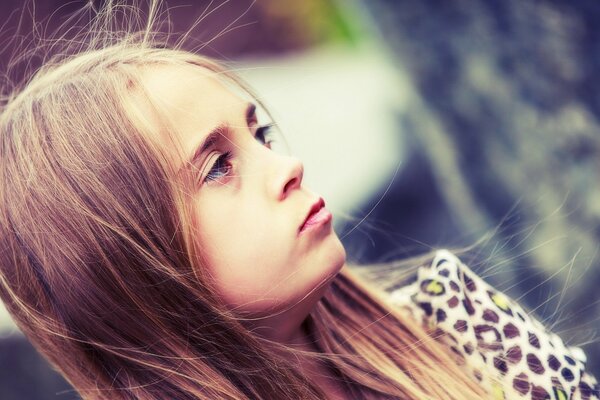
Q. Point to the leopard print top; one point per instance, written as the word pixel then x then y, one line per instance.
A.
pixel 512 354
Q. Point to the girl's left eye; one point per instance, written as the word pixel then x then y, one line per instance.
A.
pixel 264 135
pixel 219 169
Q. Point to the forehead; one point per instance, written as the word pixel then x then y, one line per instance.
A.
pixel 193 100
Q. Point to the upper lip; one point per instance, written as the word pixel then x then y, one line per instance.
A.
pixel 320 203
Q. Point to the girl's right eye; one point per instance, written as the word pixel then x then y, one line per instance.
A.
pixel 264 135
pixel 220 169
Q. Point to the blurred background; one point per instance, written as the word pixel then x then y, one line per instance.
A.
pixel 423 125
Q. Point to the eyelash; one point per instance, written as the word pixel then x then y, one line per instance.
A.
pixel 262 135
pixel 222 165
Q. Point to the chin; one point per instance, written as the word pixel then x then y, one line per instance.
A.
pixel 336 256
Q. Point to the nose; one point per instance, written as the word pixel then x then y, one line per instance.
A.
pixel 287 176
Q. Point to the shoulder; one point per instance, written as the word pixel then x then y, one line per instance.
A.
pixel 506 347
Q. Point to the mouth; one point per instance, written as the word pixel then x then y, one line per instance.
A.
pixel 317 215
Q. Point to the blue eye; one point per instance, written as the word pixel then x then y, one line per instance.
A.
pixel 220 169
pixel 264 135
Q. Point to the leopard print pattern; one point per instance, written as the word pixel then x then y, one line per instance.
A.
pixel 507 350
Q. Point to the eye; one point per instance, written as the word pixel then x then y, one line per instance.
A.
pixel 264 135
pixel 219 169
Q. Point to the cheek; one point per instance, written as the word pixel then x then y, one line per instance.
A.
pixel 256 260
pixel 249 257
pixel 241 236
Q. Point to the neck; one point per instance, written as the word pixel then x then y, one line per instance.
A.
pixel 286 328
pixel 294 333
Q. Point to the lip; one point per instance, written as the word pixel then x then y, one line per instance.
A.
pixel 316 216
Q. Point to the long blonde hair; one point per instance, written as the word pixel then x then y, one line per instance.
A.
pixel 99 269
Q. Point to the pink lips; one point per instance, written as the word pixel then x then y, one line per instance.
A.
pixel 317 215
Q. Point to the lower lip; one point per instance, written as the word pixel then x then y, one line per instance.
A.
pixel 322 217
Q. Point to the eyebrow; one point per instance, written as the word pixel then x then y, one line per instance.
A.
pixel 217 133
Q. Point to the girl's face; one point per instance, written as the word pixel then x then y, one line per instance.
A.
pixel 250 203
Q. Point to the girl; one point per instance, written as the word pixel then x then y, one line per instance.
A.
pixel 155 246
